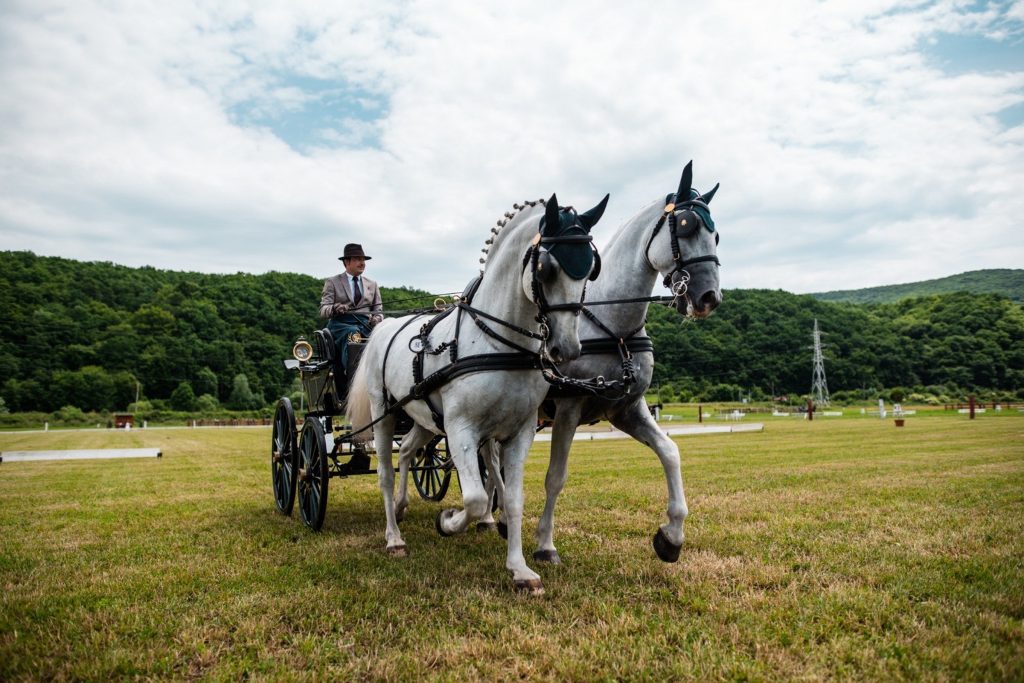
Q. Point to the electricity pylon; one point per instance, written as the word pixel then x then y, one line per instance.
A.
pixel 819 387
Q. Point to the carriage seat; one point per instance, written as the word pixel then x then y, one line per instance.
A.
pixel 323 345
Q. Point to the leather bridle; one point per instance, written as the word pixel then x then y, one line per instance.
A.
pixel 680 214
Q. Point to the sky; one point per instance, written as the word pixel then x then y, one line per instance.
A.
pixel 857 143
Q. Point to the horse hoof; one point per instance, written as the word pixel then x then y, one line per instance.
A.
pixel 503 530
pixel 437 523
pixel 398 551
pixel 486 526
pixel 549 556
pixel 666 549
pixel 531 587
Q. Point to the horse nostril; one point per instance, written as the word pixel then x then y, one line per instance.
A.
pixel 710 300
pixel 555 353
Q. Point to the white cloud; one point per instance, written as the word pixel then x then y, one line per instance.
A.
pixel 846 157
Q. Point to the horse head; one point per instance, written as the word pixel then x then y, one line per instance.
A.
pixel 561 261
pixel 688 258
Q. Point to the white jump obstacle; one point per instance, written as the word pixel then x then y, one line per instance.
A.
pixel 95 454
pixel 671 431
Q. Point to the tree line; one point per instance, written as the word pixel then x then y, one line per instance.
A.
pixel 759 344
pixel 94 335
pixel 1006 281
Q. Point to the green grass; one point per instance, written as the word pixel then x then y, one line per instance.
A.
pixel 833 549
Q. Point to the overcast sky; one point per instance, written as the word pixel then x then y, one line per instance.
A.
pixel 857 143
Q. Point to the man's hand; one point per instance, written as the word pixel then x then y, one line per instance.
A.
pixel 375 319
pixel 340 308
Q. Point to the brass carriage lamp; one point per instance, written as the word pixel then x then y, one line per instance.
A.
pixel 302 350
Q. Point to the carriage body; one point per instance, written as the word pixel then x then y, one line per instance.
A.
pixel 315 363
pixel 307 453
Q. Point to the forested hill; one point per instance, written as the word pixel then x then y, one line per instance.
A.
pixel 82 334
pixel 759 341
pixel 1005 281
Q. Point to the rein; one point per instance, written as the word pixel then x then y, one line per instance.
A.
pixel 635 300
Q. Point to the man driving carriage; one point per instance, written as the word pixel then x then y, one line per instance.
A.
pixel 351 304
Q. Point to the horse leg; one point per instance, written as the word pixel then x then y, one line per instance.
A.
pixel 566 420
pixel 636 420
pixel 490 452
pixel 515 450
pixel 462 445
pixel 383 435
pixel 411 442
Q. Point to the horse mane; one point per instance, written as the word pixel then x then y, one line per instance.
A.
pixel 507 218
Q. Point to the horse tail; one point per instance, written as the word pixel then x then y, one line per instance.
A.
pixel 358 404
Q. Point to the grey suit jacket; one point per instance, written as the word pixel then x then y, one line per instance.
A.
pixel 338 295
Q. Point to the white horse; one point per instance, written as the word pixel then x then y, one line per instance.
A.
pixel 673 237
pixel 474 373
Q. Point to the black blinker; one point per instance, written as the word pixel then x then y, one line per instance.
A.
pixel 688 223
pixel 546 267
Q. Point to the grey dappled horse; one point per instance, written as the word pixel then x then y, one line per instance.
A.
pixel 673 237
pixel 536 270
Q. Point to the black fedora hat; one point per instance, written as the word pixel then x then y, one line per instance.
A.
pixel 354 250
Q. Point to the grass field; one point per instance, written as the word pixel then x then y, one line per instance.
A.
pixel 835 549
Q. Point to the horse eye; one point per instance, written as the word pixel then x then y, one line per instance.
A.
pixel 716 239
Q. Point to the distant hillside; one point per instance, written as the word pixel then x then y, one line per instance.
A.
pixel 91 335
pixel 1004 281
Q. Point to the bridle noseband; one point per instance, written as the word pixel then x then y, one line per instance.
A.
pixel 669 213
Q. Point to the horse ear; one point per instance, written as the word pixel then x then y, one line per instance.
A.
pixel 590 218
pixel 551 222
pixel 709 195
pixel 685 183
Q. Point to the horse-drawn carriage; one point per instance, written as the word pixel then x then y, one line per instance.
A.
pixel 479 372
pixel 304 459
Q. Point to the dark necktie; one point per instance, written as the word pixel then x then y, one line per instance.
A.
pixel 357 291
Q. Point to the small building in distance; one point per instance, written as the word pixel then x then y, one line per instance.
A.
pixel 121 420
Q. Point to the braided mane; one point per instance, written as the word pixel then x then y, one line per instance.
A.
pixel 501 223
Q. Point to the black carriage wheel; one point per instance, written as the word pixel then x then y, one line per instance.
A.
pixel 313 474
pixel 432 481
pixel 283 457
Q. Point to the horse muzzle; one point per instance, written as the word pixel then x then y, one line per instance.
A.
pixel 563 352
pixel 702 306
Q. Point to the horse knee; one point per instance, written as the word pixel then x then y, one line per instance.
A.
pixel 670 458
